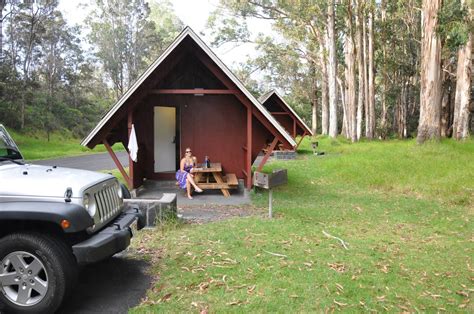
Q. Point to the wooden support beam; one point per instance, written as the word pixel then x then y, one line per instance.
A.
pixel 249 148
pixel 195 91
pixel 117 162
pixel 131 163
pixel 267 155
pixel 301 139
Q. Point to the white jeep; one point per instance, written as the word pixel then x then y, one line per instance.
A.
pixel 52 220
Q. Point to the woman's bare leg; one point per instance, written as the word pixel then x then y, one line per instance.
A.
pixel 188 189
pixel 190 179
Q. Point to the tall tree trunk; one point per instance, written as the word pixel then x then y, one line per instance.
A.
pixel 360 63
pixel 324 91
pixel 463 88
pixel 446 91
pixel 349 73
pixel 405 105
pixel 314 115
pixel 383 96
pixel 371 80
pixel 446 108
pixel 430 78
pixel 399 114
pixel 332 72
pixel 366 83
pixel 345 120
pixel 2 6
pixel 314 103
pixel 402 109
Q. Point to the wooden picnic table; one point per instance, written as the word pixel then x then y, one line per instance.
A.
pixel 212 178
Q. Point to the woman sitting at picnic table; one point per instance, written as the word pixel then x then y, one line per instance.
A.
pixel 185 176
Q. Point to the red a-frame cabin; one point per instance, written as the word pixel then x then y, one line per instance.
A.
pixel 188 98
pixel 285 115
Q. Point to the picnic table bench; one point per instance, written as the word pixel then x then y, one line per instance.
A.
pixel 212 179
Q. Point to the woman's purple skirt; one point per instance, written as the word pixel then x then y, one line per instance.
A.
pixel 181 178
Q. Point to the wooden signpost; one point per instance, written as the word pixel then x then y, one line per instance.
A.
pixel 268 181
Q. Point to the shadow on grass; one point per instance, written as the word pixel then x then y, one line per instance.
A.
pixel 304 151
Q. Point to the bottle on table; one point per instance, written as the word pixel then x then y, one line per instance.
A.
pixel 206 162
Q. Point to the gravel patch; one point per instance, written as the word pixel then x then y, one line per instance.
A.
pixel 211 213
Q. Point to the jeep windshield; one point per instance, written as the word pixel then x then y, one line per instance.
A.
pixel 8 148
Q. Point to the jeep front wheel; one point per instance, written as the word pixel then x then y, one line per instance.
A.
pixel 36 272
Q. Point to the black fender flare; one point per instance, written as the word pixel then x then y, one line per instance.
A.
pixel 54 212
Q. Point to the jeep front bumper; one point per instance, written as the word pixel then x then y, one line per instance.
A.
pixel 113 239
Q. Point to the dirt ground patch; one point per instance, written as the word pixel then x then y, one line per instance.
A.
pixel 210 213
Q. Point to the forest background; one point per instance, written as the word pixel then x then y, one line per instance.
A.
pixel 362 69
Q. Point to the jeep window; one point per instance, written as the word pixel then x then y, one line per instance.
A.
pixel 8 148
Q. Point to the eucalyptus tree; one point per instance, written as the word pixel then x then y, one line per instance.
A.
pixel 370 121
pixel 350 74
pixel 25 31
pixel 61 55
pixel 167 24
pixel 125 39
pixel 447 27
pixel 302 33
pixel 3 16
pixel 360 66
pixel 463 77
pixel 332 67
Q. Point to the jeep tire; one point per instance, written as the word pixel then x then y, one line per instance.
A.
pixel 37 272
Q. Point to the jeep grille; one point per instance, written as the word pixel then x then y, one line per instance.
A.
pixel 107 201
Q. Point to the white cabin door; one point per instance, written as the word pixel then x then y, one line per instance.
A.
pixel 165 139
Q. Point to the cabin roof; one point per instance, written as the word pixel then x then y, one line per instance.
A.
pixel 270 93
pixel 187 32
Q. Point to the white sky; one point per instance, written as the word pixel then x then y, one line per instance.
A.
pixel 193 13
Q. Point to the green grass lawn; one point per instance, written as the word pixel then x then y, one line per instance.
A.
pixel 36 146
pixel 405 212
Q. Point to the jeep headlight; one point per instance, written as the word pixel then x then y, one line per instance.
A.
pixel 88 204
pixel 119 190
pixel 86 201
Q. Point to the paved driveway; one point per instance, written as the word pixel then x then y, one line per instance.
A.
pixel 94 162
pixel 111 286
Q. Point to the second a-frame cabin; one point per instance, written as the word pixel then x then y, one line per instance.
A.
pixel 285 115
pixel 188 98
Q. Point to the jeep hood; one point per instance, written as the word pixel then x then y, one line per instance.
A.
pixel 44 181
